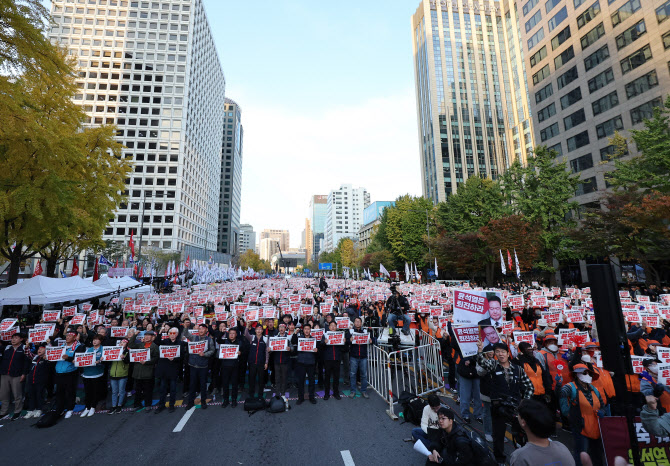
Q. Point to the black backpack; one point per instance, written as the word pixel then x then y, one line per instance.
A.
pixel 253 405
pixel 480 448
pixel 50 418
pixel 413 410
pixel 277 404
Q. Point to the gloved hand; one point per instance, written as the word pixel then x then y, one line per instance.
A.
pixel 559 379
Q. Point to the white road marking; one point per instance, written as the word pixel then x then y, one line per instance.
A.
pixel 346 457
pixel 184 420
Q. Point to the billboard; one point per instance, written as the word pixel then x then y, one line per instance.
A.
pixel 375 210
pixel 325 266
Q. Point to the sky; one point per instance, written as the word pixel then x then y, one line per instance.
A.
pixel 327 97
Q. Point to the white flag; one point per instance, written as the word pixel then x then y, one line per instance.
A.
pixel 416 272
pixel 383 270
pixel 407 273
pixel 436 268
pixel 502 263
pixel 518 270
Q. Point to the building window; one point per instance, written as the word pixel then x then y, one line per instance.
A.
pixel 571 97
pixel 608 153
pixel 567 77
pixel 550 4
pixel 536 38
pixel 530 4
pixel 631 34
pixel 605 103
pixel 580 140
pixel 666 40
pixel 645 111
pixel 663 12
pixel 575 119
pixel 533 21
pixel 586 186
pixel 558 19
pixel 581 163
pixel 596 57
pixel 546 112
pixel 636 59
pixel 538 56
pixel 544 93
pixel 593 35
pixel 565 56
pixel 560 38
pixel 607 128
pixel 578 3
pixel 642 84
pixel 588 15
pixel 601 80
pixel 626 10
pixel 549 132
pixel 556 148
pixel 540 75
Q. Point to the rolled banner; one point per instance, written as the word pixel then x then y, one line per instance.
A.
pixel 421 448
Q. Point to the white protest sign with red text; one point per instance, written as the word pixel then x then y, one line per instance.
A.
pixel 664 373
pixel 197 347
pixel 140 355
pixel 7 324
pixel 228 351
pixel 69 311
pixel 55 353
pixel 467 338
pixel 360 338
pixel 78 319
pixel 38 335
pixel 306 344
pixel 528 337
pixel 84 359
pixel 50 316
pixel 335 338
pixel 169 351
pixel 343 323
pixel 112 353
pixel 279 344
pixel 317 333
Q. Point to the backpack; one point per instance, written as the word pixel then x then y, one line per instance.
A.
pixel 413 410
pixel 480 448
pixel 50 418
pixel 277 404
pixel 252 405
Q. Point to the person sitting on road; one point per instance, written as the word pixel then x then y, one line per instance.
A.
pixel 452 446
pixel 429 422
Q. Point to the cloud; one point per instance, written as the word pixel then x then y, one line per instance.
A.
pixel 289 156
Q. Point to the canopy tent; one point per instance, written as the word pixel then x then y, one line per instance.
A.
pixel 44 290
pixel 128 286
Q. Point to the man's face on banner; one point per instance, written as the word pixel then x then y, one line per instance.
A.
pixel 491 335
pixel 495 310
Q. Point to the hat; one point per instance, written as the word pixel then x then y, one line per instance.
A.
pixel 149 332
pixel 591 345
pixel 71 330
pixel 580 368
pixel 550 336
pixel 647 361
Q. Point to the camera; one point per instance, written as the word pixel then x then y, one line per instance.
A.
pixel 506 407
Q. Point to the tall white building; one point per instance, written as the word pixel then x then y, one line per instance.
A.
pixel 247 238
pixel 344 214
pixel 268 247
pixel 151 68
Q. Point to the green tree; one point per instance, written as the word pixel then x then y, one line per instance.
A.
pixel 476 202
pixel 649 170
pixel 405 229
pixel 541 192
pixel 347 253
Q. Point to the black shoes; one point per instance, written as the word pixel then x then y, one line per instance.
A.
pixel 225 404
pixel 233 404
pixel 312 400
pixel 337 396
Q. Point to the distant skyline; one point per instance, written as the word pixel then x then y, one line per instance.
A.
pixel 327 98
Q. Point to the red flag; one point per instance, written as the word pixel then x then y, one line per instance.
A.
pixel 509 260
pixel 175 271
pixel 141 272
pixel 188 259
pixel 38 269
pixel 116 264
pixel 124 263
pixel 75 268
pixel 135 270
pixel 96 275
pixel 132 246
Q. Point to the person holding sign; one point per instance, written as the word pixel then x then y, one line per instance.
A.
pixel 257 359
pixel 281 361
pixel 94 381
pixel 649 385
pixel 67 374
pixel 143 373
pixel 14 366
pixel 332 352
pixel 36 382
pixel 118 377
pixel 305 364
pixel 358 358
pixel 199 365
pixel 168 368
pixel 230 367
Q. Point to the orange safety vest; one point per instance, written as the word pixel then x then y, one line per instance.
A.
pixel 565 373
pixel 633 383
pixel 437 334
pixel 666 341
pixel 604 384
pixel 589 413
pixel 535 376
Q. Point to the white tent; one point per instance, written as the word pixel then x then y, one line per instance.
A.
pixel 44 290
pixel 127 285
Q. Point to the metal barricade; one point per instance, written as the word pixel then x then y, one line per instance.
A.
pixel 416 369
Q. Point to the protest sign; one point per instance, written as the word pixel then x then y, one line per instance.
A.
pixel 632 316
pixel 169 351
pixel 528 337
pixel 306 310
pixel 279 344
pixel 86 307
pixel 269 312
pixel 488 335
pixel 221 314
pixel 38 335
pixel 7 324
pixel 306 344
pixel 651 319
pixel 228 351
pixel 663 354
pixel 84 359
pixel 251 314
pixel 507 327
pixel 664 374
pixel 197 347
pixel 539 301
pixel 335 338
pixel 119 332
pixel 436 311
pixel 551 317
pixel 50 316
pixel 637 364
pixel 50 327
pixel 317 333
pixel 55 353
pixel 516 302
pixel 654 451
pixel 78 319
pixel 423 308
pixel 360 338
pixel 112 353
pixel 574 316
pixel 475 307
pixel 69 311
pixel 140 355
pixel 467 338
pixel 343 323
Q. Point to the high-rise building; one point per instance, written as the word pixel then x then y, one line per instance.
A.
pixel 230 197
pixel 278 235
pixel 247 238
pixel 595 68
pixel 268 247
pixel 308 243
pixel 151 68
pixel 318 205
pixel 372 216
pixel 344 214
pixel 471 93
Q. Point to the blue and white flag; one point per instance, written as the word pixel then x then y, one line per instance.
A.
pixel 103 261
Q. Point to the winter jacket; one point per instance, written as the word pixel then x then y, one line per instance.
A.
pixel 282 357
pixel 358 351
pixel 333 352
pixel 15 362
pixel 97 370
pixel 240 342
pixel 66 366
pixel 38 371
pixel 258 349
pixel 120 369
pixel 170 369
pixel 145 371
pixel 307 358
pixel 454 447
pixel 195 360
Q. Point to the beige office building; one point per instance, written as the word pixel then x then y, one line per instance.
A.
pixel 278 235
pixel 471 93
pixel 594 68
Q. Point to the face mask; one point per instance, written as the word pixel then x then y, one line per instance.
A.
pixel 584 378
pixel 586 358
pixel 653 369
pixel 553 348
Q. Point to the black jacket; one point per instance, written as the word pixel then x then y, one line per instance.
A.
pixel 14 363
pixel 171 369
pixel 304 357
pixel 241 342
pixel 454 447
pixel 38 371
pixel 358 351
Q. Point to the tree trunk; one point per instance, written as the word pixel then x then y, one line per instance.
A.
pixel 549 257
pixel 490 272
pixel 15 265
pixel 52 263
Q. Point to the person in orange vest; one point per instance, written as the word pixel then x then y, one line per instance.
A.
pixel 535 372
pixel 582 404
pixel 604 382
pixel 550 359
pixel 649 385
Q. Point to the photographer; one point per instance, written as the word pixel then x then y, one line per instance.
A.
pixel 397 305
pixel 452 446
pixel 509 383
